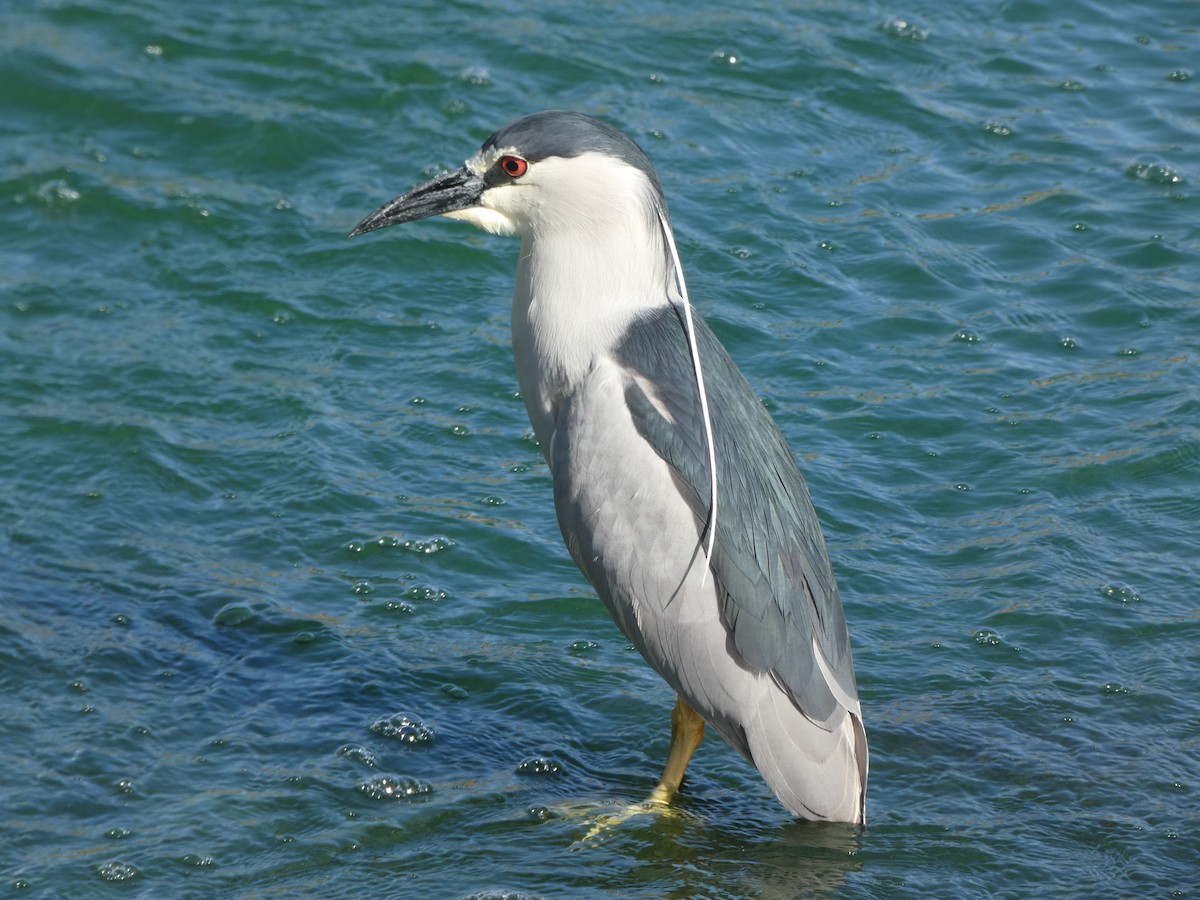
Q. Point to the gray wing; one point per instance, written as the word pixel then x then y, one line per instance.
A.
pixel 779 596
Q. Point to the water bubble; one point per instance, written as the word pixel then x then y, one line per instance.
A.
pixel 1070 85
pixel 901 28
pixel 582 646
pixel 435 544
pixel 965 336
pixel 57 192
pixel 1154 173
pixel 1112 687
pixel 425 593
pixel 404 728
pixel 1079 226
pixel 962 486
pixel 117 834
pixel 476 75
pixel 399 606
pixel 153 50
pixel 540 765
pixel 727 57
pixel 998 129
pixel 986 638
pixel 1179 75
pixel 492 501
pixel 362 587
pixel 394 787
pixel 199 862
pixel 460 430
pixel 78 686
pixel 233 614
pixel 120 619
pixel 357 753
pixel 387 542
pixel 828 246
pixel 1120 592
pixel 454 692
pixel 117 871
pixel 125 786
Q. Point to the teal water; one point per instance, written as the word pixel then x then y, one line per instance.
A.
pixel 285 608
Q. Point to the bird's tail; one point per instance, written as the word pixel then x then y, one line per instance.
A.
pixel 815 773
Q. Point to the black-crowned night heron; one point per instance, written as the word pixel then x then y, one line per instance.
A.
pixel 676 494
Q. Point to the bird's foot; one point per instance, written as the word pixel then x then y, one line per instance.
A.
pixel 615 815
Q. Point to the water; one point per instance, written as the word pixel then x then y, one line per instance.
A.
pixel 285 610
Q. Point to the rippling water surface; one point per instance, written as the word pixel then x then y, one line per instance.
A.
pixel 285 609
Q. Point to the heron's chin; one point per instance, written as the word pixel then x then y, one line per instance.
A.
pixel 490 220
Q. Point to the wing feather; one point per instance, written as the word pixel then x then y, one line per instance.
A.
pixel 780 601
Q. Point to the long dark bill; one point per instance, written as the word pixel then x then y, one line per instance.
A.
pixel 448 192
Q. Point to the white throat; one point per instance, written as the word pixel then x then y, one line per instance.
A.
pixel 582 278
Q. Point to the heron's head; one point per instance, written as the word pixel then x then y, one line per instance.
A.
pixel 548 173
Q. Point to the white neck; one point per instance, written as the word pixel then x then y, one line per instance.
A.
pixel 578 287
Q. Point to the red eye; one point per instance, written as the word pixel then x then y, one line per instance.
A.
pixel 514 166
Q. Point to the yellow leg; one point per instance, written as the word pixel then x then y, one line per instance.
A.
pixel 687 730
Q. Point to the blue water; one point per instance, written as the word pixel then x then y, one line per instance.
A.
pixel 285 608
